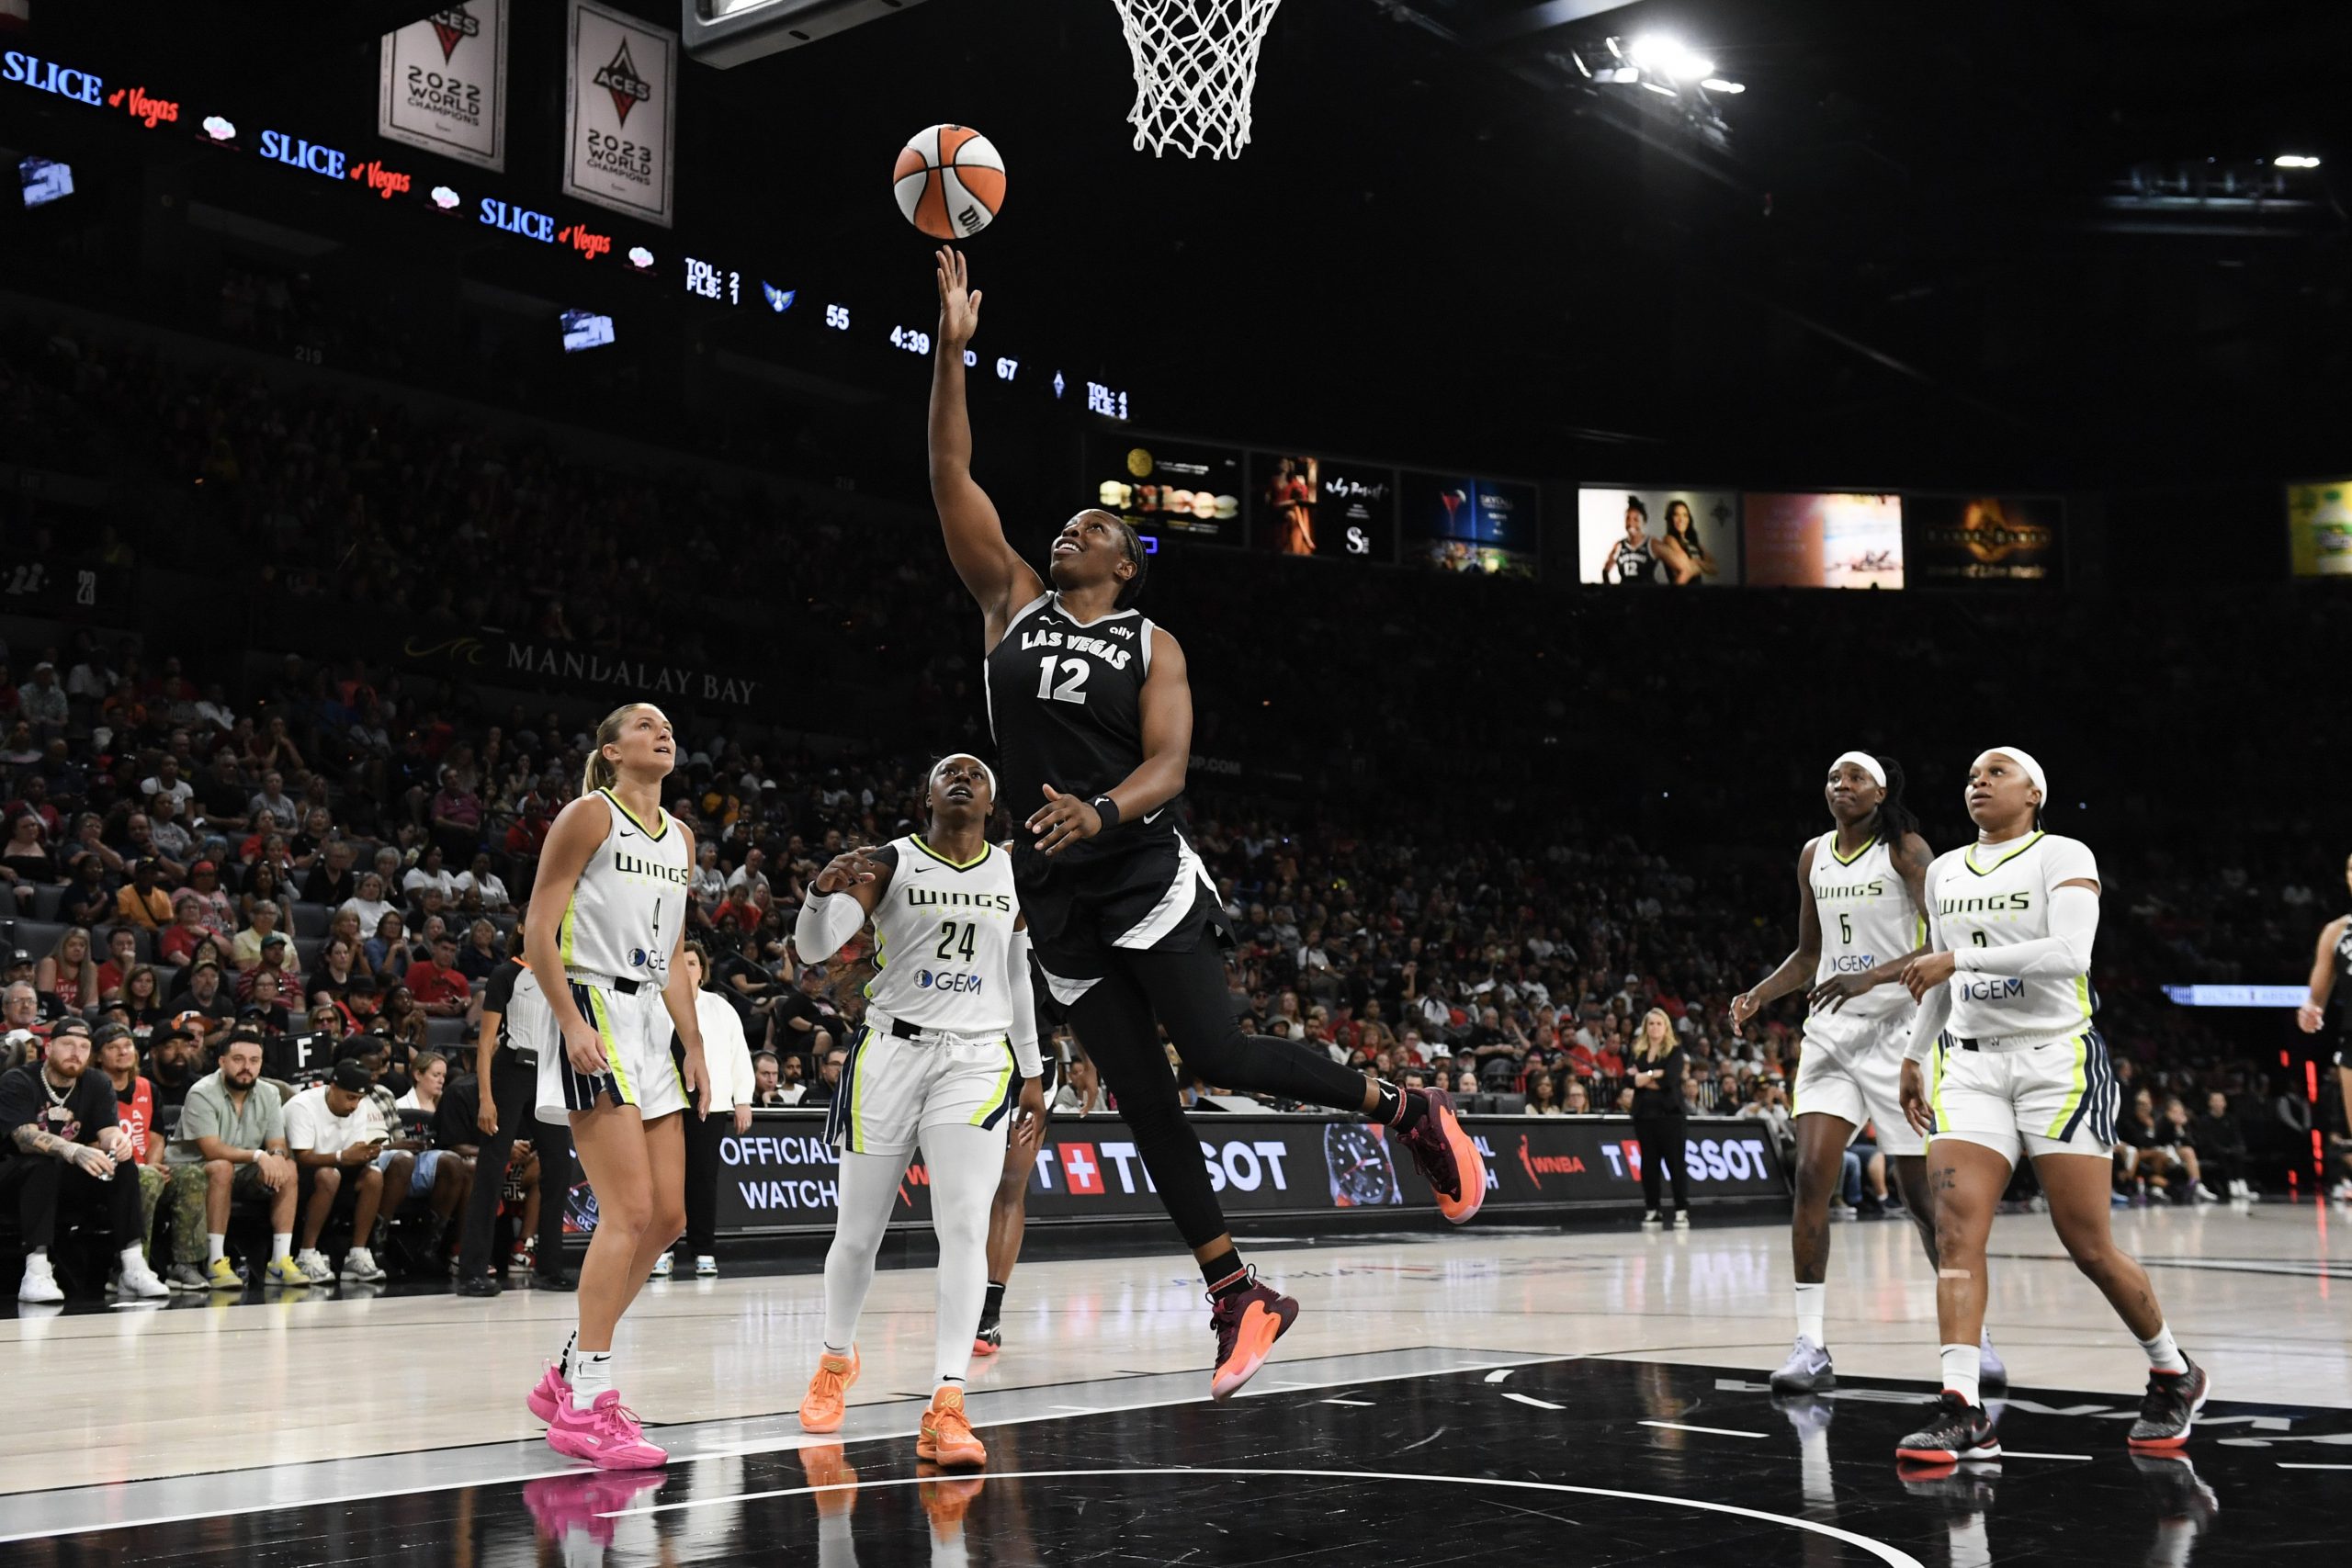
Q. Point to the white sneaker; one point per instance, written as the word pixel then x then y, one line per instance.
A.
pixel 39 1285
pixel 2204 1194
pixel 1808 1370
pixel 705 1266
pixel 1682 1219
pixel 359 1267
pixel 663 1267
pixel 137 1282
pixel 1650 1221
pixel 315 1266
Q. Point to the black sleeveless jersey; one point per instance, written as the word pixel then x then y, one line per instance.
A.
pixel 1634 563
pixel 1066 706
pixel 2342 995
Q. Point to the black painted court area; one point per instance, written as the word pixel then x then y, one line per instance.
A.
pixel 1554 1464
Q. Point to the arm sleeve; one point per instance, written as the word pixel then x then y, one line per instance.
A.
pixel 1935 1008
pixel 827 922
pixel 1025 1006
pixel 2074 927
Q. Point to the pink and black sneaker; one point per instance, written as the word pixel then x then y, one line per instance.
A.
pixel 607 1434
pixel 1248 1323
pixel 1449 1161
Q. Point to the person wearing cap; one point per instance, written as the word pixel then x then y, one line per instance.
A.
pixel 62 1146
pixel 118 1053
pixel 42 703
pixel 230 1145
pixel 209 994
pixel 2007 1021
pixel 336 1135
pixel 141 903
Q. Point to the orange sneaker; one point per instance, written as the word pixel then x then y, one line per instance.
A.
pixel 1448 1159
pixel 827 1402
pixel 946 1434
pixel 828 1470
pixel 947 1498
pixel 1246 1324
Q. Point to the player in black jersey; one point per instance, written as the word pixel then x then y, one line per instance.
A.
pixel 1092 714
pixel 2332 971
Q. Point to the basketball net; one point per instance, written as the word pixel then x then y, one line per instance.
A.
pixel 1196 62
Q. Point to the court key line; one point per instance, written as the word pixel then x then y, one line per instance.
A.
pixel 1892 1556
pixel 1686 1427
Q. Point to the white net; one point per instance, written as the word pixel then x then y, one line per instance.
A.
pixel 1196 62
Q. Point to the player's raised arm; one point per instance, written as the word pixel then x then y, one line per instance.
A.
pixel 989 567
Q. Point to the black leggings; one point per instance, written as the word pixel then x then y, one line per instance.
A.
pixel 703 1134
pixel 1116 1022
pixel 516 1087
pixel 1662 1139
pixel 42 1184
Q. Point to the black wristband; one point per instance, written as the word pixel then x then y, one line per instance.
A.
pixel 1106 808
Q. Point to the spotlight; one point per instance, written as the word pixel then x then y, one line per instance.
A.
pixel 2295 160
pixel 1718 85
pixel 1654 52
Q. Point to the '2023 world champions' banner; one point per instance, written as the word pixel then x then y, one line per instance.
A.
pixel 782 1176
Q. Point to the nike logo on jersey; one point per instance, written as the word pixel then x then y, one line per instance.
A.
pixel 627 834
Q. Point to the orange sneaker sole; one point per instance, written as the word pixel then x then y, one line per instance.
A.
pixel 1473 1169
pixel 1259 1328
pixel 820 1424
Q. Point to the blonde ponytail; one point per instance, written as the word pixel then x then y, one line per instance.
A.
pixel 600 772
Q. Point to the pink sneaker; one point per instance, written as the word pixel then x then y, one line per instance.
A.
pixel 606 1434
pixel 552 1394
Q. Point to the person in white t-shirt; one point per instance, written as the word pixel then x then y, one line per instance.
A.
pixel 335 1135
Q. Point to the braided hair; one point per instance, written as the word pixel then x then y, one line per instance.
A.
pixel 1894 821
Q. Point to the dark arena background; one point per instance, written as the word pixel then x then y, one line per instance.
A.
pixel 1587 452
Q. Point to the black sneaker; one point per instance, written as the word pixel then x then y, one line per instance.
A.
pixel 553 1280
pixel 2169 1408
pixel 477 1285
pixel 987 1339
pixel 1958 1432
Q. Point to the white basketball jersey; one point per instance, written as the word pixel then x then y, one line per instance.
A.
pixel 939 937
pixel 629 904
pixel 1997 896
pixel 1866 917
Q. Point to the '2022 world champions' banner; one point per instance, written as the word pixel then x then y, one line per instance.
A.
pixel 442 84
pixel 782 1176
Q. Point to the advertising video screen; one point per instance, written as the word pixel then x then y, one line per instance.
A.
pixel 2319 528
pixel 1456 523
pixel 1170 488
pixel 585 329
pixel 1822 541
pixel 1672 539
pixel 1955 540
pixel 44 181
pixel 1314 506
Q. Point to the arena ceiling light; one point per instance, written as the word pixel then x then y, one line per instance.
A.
pixel 1663 64
pixel 2295 160
pixel 1659 55
pixel 728 32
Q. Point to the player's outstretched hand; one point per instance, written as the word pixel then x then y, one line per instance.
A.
pixel 959 302
pixel 1063 821
pixel 1914 1094
pixel 848 869
pixel 1928 971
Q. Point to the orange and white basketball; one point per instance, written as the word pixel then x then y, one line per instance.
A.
pixel 949 182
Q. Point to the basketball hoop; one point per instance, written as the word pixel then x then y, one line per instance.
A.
pixel 1196 62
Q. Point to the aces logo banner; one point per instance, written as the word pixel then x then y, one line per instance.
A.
pixel 443 84
pixel 620 119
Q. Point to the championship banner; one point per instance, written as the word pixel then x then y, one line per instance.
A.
pixel 443 84
pixel 782 1176
pixel 620 112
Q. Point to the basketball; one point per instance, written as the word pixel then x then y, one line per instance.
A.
pixel 949 182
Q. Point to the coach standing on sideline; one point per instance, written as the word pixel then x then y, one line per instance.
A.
pixel 507 1082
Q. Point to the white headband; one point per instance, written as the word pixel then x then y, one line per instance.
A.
pixel 1865 762
pixel 2023 759
pixel 968 757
